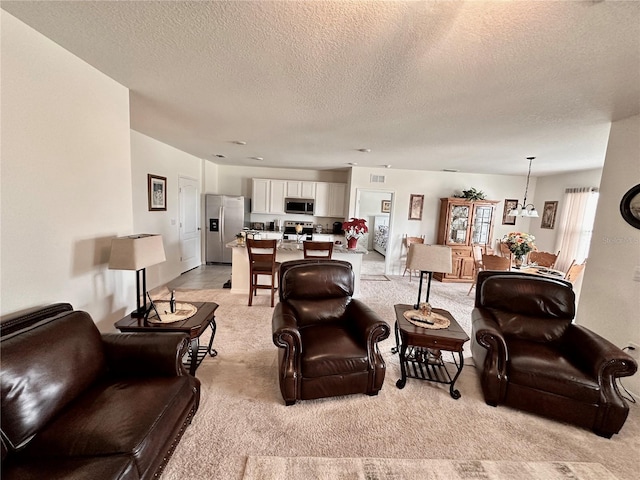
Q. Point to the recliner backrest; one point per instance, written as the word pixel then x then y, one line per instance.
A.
pixel 45 366
pixel 527 306
pixel 317 290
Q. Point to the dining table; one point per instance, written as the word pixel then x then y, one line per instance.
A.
pixel 541 271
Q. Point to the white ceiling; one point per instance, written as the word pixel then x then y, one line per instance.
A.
pixel 475 86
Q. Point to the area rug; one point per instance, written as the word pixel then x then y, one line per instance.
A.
pixel 314 468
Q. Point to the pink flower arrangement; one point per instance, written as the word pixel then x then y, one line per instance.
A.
pixel 355 228
pixel 520 243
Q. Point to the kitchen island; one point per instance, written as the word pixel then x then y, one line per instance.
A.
pixel 287 250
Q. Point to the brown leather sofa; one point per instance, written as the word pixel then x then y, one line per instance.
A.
pixel 532 357
pixel 327 339
pixel 80 405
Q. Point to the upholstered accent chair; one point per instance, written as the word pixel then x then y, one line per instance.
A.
pixel 328 341
pixel 531 356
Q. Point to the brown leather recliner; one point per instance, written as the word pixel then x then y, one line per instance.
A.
pixel 78 404
pixel 328 340
pixel 531 356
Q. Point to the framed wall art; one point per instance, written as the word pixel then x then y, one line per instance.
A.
pixel 157 191
pixel 386 206
pixel 549 215
pixel 630 206
pixel 416 203
pixel 509 204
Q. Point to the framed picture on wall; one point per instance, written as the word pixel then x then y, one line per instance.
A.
pixel 157 191
pixel 386 206
pixel 509 204
pixel 549 215
pixel 416 203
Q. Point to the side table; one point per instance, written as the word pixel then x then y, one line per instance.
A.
pixel 193 326
pixel 422 348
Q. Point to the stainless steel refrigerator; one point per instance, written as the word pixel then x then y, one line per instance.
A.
pixel 225 216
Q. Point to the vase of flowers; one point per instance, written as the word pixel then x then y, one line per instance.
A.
pixel 519 244
pixel 353 230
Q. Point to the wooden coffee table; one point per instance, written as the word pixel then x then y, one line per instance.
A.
pixel 193 326
pixel 422 350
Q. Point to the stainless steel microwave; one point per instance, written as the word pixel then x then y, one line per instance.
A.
pixel 299 205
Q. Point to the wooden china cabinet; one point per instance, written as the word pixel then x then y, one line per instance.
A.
pixel 463 223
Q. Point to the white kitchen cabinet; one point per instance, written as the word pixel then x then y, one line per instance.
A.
pixel 321 206
pixel 268 196
pixel 330 199
pixel 308 189
pixel 276 199
pixel 300 189
pixel 337 194
pixel 261 196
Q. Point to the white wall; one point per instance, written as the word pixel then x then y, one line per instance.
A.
pixel 149 156
pixel 66 178
pixel 551 188
pixel 434 185
pixel 610 302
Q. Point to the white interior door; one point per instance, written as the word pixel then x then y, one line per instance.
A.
pixel 188 198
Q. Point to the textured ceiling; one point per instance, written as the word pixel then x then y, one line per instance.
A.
pixel 475 86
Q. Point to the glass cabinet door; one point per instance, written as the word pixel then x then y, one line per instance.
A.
pixel 482 224
pixel 458 224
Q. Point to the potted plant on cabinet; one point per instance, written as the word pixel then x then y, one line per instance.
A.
pixel 353 230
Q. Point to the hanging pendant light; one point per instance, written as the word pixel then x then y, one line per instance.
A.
pixel 524 209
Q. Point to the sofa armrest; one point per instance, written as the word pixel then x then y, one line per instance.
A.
pixel 490 354
pixel 597 355
pixel 285 331
pixel 368 323
pixel 145 354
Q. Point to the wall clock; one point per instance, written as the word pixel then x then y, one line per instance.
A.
pixel 630 206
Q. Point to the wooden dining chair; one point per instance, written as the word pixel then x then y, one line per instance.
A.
pixel 317 249
pixel 574 271
pixel 543 259
pixel 505 251
pixel 476 249
pixel 262 262
pixel 495 262
pixel 408 241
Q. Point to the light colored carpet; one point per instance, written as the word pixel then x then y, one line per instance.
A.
pixel 374 278
pixel 242 413
pixel 312 468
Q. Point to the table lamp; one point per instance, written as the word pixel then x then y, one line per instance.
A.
pixel 428 259
pixel 136 252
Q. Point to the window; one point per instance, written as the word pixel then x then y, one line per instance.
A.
pixel 576 225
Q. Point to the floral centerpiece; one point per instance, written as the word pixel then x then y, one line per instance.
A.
pixel 353 230
pixel 520 244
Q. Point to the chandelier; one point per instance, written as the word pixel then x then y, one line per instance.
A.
pixel 524 209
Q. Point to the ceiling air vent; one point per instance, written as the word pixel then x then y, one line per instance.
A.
pixel 376 179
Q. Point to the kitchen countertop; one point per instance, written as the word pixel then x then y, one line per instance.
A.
pixel 292 246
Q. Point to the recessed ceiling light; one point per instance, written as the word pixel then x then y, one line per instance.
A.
pixel 239 142
pixel 219 155
pixel 353 164
pixel 453 170
pixel 364 150
pixel 257 158
pixel 387 166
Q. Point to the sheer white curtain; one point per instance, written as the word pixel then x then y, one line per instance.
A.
pixel 575 226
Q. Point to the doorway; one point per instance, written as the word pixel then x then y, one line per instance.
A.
pixel 376 207
pixel 189 213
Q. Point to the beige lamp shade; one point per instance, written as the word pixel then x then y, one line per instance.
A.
pixel 429 258
pixel 136 252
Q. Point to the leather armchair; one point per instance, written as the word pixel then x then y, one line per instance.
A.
pixel 327 340
pixel 531 356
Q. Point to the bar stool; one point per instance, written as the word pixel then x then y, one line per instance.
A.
pixel 262 261
pixel 317 249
